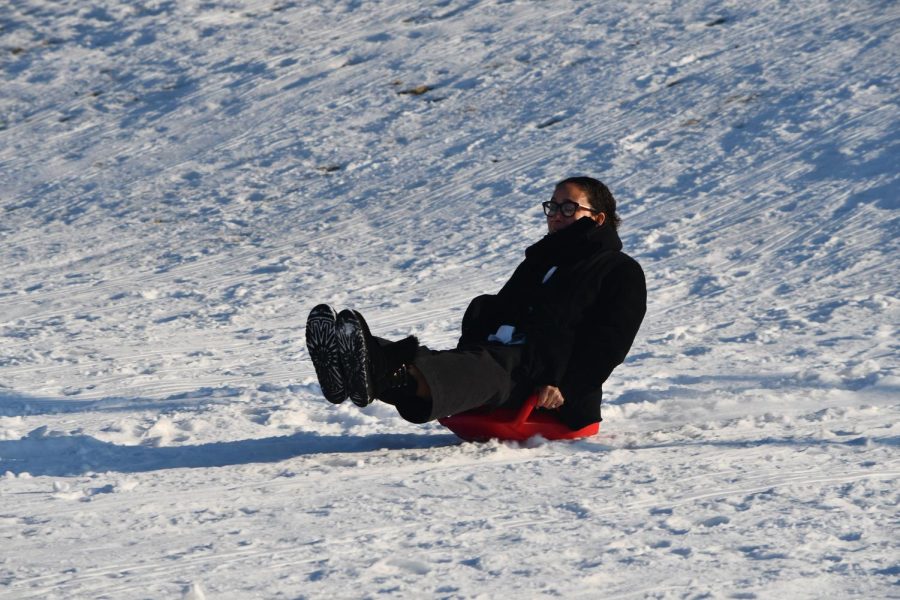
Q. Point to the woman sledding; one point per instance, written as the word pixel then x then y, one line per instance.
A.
pixel 567 316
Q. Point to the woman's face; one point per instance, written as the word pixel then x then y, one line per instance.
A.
pixel 569 192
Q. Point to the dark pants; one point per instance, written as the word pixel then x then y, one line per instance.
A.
pixel 466 378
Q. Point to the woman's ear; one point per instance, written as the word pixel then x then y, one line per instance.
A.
pixel 600 218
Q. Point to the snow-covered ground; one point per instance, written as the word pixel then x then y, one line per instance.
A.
pixel 180 182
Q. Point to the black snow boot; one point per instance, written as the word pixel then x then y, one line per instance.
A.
pixel 322 345
pixel 370 369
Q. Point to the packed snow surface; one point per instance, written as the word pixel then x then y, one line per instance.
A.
pixel 180 182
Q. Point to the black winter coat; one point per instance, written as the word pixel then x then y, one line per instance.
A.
pixel 579 324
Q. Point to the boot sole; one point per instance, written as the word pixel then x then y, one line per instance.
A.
pixel 322 346
pixel 354 355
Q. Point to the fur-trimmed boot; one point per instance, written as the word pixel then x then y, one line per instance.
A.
pixel 371 370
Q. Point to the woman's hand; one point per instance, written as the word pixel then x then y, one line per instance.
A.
pixel 549 396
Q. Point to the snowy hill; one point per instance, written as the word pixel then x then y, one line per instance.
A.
pixel 180 182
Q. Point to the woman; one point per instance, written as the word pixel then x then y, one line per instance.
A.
pixel 567 316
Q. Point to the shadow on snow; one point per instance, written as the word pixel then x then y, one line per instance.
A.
pixel 43 452
pixel 39 454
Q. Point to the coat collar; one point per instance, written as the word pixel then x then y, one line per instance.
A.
pixel 582 238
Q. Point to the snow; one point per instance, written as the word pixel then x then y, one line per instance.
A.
pixel 181 182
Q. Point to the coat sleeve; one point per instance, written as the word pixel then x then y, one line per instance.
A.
pixel 487 312
pixel 609 327
pixel 549 345
pixel 480 319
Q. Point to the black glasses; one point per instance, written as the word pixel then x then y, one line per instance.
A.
pixel 567 208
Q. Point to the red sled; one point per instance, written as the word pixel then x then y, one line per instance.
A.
pixel 480 424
